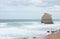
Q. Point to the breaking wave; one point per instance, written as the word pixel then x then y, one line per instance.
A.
pixel 23 30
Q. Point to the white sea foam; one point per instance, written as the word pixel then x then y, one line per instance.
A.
pixel 3 25
pixel 25 30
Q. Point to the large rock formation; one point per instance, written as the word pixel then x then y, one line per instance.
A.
pixel 46 19
pixel 54 36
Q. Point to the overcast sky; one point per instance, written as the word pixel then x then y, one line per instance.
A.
pixel 28 9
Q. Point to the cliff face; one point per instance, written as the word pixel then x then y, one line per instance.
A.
pixel 46 19
pixel 54 36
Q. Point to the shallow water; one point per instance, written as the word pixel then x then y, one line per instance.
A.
pixel 23 30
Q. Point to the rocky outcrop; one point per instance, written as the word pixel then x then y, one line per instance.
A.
pixel 46 19
pixel 54 36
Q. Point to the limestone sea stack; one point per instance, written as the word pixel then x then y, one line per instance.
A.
pixel 47 19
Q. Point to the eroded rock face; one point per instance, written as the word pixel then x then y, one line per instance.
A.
pixel 46 19
pixel 54 36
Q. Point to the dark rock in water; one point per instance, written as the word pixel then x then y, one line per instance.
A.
pixel 46 19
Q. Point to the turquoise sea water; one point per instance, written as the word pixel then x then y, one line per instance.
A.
pixel 23 29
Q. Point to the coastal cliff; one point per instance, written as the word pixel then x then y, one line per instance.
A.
pixel 54 36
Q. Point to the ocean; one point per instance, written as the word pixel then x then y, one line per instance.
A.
pixel 24 29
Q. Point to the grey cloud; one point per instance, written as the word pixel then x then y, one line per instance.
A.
pixel 44 3
pixel 29 2
pixel 52 2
